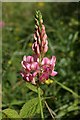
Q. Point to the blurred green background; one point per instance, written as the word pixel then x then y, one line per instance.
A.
pixel 61 22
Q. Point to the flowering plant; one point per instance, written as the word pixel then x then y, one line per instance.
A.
pixel 36 71
pixel 37 68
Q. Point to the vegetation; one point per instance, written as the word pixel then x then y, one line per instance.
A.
pixel 61 22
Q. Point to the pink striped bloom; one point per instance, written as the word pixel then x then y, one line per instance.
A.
pixel 30 68
pixel 47 68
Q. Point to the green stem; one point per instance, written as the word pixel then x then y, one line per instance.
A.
pixel 40 103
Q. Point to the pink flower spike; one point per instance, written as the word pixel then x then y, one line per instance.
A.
pixel 37 68
pixel 53 73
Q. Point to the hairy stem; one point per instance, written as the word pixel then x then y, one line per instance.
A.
pixel 40 103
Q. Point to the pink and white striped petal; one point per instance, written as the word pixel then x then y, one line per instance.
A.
pixel 23 65
pixel 29 59
pixel 53 73
pixel 34 66
pixel 44 77
pixel 45 61
pixel 53 60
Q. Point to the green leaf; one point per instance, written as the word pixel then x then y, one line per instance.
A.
pixel 66 88
pixel 29 109
pixel 75 37
pixel 15 102
pixel 33 88
pixel 63 110
pixel 10 113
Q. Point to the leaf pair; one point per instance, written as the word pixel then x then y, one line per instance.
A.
pixel 29 109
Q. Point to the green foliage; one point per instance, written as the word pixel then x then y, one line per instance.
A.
pixel 33 88
pixel 61 23
pixel 66 88
pixel 10 113
pixel 30 108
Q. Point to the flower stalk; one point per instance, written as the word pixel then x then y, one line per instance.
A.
pixel 40 103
